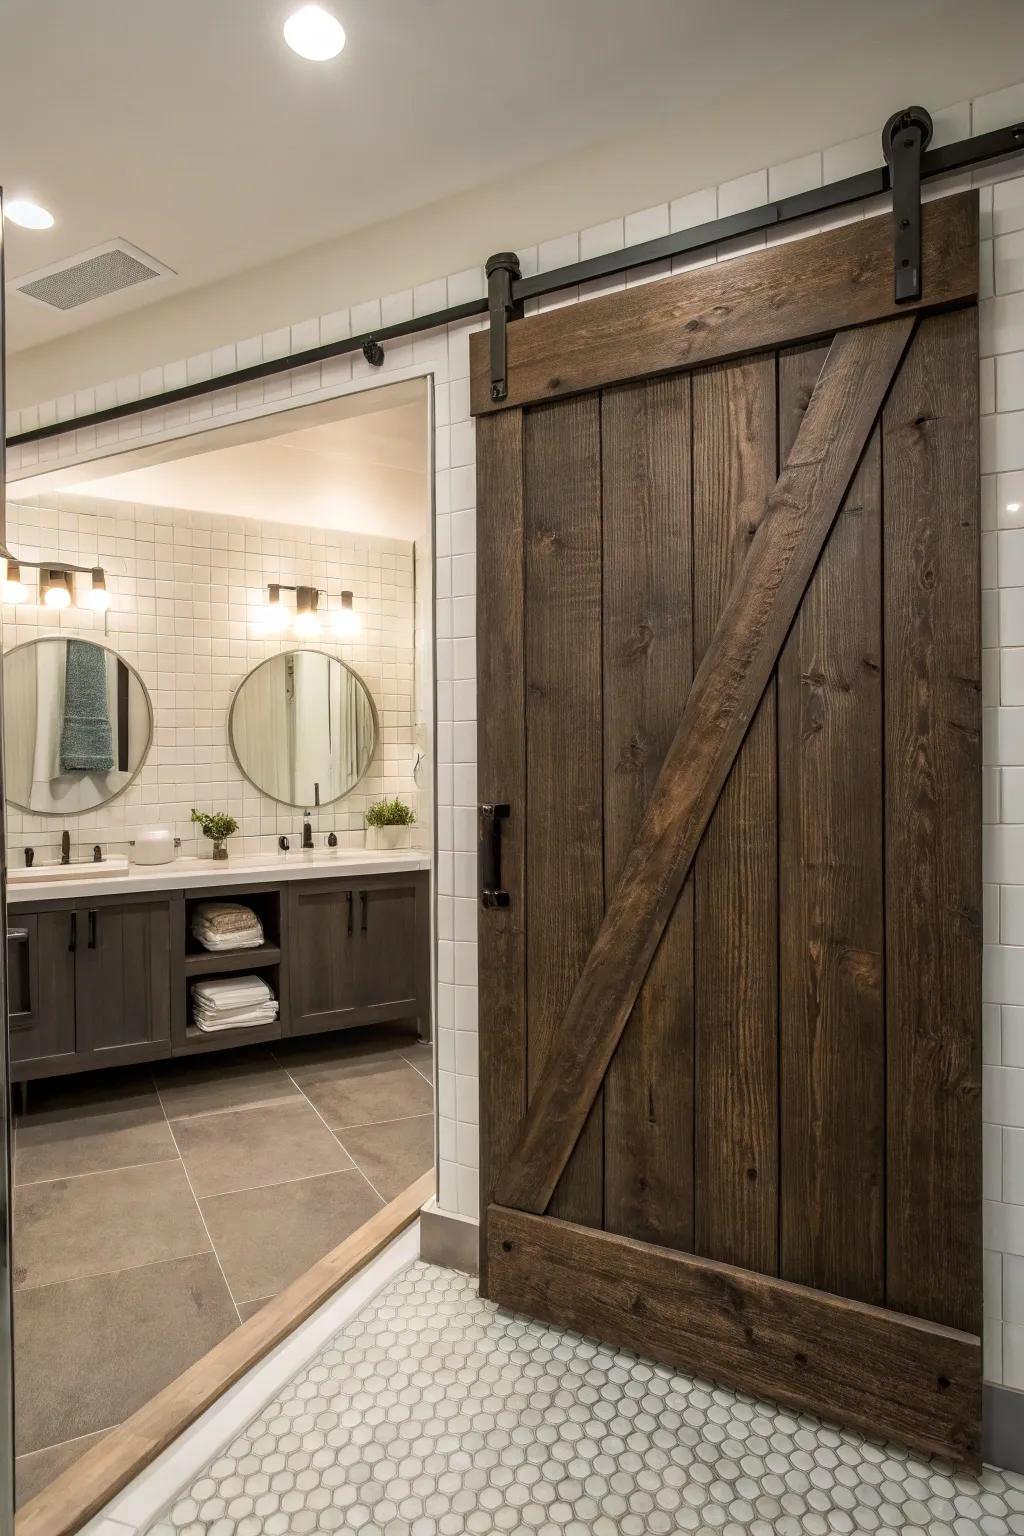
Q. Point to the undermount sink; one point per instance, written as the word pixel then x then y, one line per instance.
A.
pixel 85 870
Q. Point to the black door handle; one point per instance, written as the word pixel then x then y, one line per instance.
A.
pixel 348 900
pixel 92 930
pixel 490 820
pixel 73 933
pixel 365 900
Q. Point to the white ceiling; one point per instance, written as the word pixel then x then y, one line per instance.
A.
pixel 188 128
pixel 364 472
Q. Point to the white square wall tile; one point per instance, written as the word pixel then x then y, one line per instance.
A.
pixel 1012 1291
pixel 1003 974
pixel 992 1275
pixel 1013 1165
pixel 1012 1047
pixel 1008 262
pixel 1003 1096
pixel 693 209
pixel 992 1162
pixel 794 176
pixel 744 192
pixel 1011 675
pixel 1013 1356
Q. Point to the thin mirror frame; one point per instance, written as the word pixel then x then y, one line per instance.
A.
pixel 48 640
pixel 299 650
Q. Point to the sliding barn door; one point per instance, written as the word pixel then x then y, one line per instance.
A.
pixel 729 691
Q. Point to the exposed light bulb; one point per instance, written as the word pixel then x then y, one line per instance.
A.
pixel 307 625
pixel 56 589
pixel 314 33
pixel 13 589
pixel 21 210
pixel 346 619
pixel 274 615
pixel 97 597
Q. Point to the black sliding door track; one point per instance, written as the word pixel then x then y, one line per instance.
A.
pixel 966 154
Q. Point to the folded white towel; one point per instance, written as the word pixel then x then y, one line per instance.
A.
pixel 249 940
pixel 232 992
pixel 223 925
pixel 244 1020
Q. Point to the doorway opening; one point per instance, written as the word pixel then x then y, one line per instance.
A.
pixel 222 1064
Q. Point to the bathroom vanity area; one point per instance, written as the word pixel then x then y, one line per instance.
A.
pixel 100 966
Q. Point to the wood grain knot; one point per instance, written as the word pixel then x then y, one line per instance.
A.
pixel 943 1383
pixel 799 1358
pixel 506 1246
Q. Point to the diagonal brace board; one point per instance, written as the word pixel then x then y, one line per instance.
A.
pixel 722 701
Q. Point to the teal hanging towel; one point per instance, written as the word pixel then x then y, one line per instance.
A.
pixel 86 740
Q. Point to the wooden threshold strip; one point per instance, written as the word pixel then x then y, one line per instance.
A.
pixel 83 1490
pixel 883 1373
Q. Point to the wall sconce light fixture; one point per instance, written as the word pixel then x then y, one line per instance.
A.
pixel 57 584
pixel 304 619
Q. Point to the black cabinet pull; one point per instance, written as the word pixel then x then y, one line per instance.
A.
pixel 92 930
pixel 364 896
pixel 489 855
pixel 348 900
pixel 73 933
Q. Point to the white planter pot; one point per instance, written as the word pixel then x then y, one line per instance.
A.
pixel 388 837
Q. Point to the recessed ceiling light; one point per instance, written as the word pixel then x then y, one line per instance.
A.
pixel 28 214
pixel 314 33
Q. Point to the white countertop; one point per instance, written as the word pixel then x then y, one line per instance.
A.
pixel 240 869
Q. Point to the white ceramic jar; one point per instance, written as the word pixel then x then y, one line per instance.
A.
pixel 156 845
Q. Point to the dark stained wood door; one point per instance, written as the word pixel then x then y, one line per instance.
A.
pixel 729 687
pixel 123 978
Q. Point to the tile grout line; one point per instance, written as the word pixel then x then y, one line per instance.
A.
pixel 209 1236
pixel 329 1130
pixel 73 1440
pixel 202 1218
pixel 95 1173
pixel 103 1274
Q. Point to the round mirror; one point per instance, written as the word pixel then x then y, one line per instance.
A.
pixel 78 725
pixel 303 728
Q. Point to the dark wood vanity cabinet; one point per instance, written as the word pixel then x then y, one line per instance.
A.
pixel 105 981
pixel 360 951
pixel 89 984
pixel 41 989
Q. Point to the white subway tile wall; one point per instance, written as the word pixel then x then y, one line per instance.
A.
pixel 186 592
pixel 1002 383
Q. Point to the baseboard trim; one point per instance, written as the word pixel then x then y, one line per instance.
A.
pixel 1003 1428
pixel 449 1240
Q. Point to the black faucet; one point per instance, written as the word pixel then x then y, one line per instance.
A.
pixel 65 848
pixel 307 831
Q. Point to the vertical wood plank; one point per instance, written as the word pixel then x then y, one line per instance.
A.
pixel 831 1018
pixel 735 876
pixel 564 791
pixel 501 779
pixel 933 825
pixel 648 665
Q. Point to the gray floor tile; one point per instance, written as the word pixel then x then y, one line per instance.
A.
pixel 265 1238
pixel 246 1148
pixel 320 1058
pixel 104 1221
pixel 235 1080
pixel 89 1352
pixel 89 1124
pixel 37 1470
pixel 392 1155
pixel 367 1089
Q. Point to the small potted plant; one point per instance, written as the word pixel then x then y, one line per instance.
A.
pixel 218 827
pixel 389 824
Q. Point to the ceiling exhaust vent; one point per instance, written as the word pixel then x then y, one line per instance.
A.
pixel 92 275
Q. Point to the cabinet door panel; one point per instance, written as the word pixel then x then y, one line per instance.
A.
pixel 123 978
pixel 321 928
pixel 41 985
pixel 386 952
